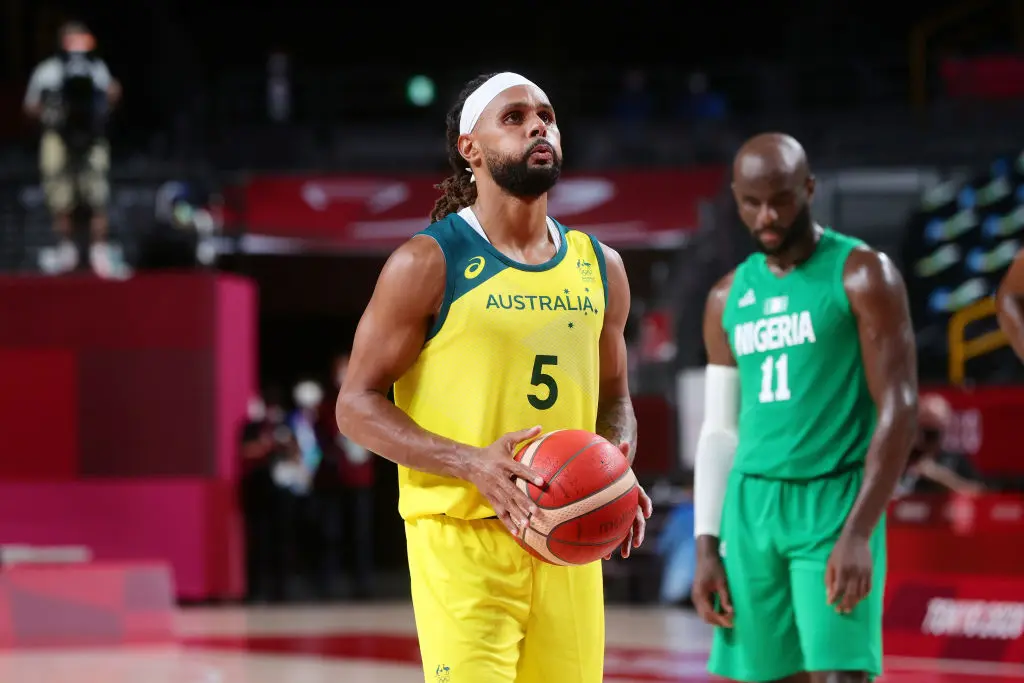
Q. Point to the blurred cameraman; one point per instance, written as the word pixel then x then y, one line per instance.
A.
pixel 71 94
pixel 931 468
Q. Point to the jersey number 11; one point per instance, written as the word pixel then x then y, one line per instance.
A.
pixel 774 379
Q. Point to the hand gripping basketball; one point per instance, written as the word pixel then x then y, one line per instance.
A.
pixel 493 470
pixel 589 505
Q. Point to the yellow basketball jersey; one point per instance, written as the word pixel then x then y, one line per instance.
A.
pixel 514 346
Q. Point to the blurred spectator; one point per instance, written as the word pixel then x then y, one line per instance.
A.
pixel 678 549
pixel 704 111
pixel 308 396
pixel 700 102
pixel 182 234
pixel 326 504
pixel 635 104
pixel 267 513
pixel 633 110
pixel 323 505
pixel 930 468
pixel 279 87
pixel 71 95
pixel 356 467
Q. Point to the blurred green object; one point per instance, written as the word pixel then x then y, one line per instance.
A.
pixel 420 91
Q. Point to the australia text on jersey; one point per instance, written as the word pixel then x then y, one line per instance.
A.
pixel 774 332
pixel 537 302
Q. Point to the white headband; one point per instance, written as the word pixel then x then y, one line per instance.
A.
pixel 482 96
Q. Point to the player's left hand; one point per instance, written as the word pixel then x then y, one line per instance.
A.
pixel 644 509
pixel 848 573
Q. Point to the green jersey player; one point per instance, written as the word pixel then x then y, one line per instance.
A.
pixel 810 414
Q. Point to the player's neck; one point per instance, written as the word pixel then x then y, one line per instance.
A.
pixel 797 253
pixel 512 221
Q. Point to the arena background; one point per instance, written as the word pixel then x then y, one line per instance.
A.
pixel 256 211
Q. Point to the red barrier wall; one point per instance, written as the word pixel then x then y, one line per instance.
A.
pixel 39 414
pixel 193 525
pixel 986 426
pixel 954 617
pixel 100 604
pixel 148 377
pixel 936 534
pixel 120 412
pixel 955 586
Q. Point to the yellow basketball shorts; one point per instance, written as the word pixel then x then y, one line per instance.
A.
pixel 488 612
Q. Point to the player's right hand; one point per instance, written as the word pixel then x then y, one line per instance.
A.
pixel 709 582
pixel 493 470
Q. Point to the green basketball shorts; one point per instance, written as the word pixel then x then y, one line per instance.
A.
pixel 776 539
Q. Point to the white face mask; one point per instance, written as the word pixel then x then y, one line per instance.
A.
pixel 257 409
pixel 308 395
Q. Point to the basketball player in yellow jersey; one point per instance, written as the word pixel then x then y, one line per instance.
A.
pixel 494 324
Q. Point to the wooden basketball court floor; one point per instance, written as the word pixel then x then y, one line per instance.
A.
pixel 376 644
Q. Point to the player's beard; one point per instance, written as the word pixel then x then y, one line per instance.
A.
pixel 519 178
pixel 799 230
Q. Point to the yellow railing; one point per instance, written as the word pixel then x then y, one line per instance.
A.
pixel 924 32
pixel 960 349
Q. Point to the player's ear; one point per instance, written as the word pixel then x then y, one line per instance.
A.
pixel 810 188
pixel 735 193
pixel 468 148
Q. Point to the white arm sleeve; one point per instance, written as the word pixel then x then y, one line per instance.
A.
pixel 715 447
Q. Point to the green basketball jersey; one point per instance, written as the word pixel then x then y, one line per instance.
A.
pixel 805 409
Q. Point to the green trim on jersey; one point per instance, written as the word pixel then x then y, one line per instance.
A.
pixel 465 267
pixel 602 266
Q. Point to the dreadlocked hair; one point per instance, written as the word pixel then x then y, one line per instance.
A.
pixel 458 189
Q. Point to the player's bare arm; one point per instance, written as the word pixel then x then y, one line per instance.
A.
pixel 388 340
pixel 1010 305
pixel 616 420
pixel 715 450
pixel 878 299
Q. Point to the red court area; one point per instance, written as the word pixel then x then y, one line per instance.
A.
pixel 649 665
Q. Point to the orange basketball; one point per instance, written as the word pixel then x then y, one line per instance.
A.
pixel 589 500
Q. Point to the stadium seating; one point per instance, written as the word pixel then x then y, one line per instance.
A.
pixel 958 246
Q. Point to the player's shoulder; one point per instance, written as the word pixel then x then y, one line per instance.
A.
pixel 868 270
pixel 446 239
pixel 718 296
pixel 610 263
pixel 422 257
pixel 866 260
pixel 723 287
pixel 442 231
pixel 413 279
pixel 853 251
pixel 583 239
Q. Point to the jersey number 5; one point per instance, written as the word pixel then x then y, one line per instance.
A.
pixel 774 379
pixel 543 379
